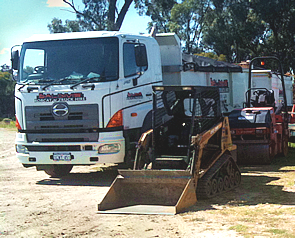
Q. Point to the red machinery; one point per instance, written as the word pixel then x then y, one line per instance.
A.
pixel 260 130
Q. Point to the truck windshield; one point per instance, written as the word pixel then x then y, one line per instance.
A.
pixel 69 61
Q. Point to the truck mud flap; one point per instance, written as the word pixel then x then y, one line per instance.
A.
pixel 149 192
pixel 253 153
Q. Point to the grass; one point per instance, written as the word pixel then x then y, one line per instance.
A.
pixel 269 208
pixel 7 124
pixel 277 231
pixel 263 205
pixel 260 220
pixel 239 228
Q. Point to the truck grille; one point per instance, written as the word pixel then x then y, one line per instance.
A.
pixel 79 125
pixel 54 148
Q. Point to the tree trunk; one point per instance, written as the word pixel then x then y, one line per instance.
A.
pixel 111 15
pixel 122 14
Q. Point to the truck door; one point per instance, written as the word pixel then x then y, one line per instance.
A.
pixel 134 89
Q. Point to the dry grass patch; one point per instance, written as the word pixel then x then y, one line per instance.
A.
pixel 239 228
pixel 7 124
pixel 259 220
pixel 262 206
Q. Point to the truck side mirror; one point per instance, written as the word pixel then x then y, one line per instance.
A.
pixel 15 59
pixel 140 55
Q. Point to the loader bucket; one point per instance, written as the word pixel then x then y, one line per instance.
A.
pixel 255 152
pixel 149 192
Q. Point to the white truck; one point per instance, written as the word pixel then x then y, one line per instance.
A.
pixel 233 83
pixel 85 98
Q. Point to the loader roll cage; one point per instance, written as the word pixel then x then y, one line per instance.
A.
pixel 263 64
pixel 180 113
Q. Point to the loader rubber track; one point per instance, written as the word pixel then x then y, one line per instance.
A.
pixel 223 176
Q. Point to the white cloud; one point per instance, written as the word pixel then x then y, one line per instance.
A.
pixel 4 51
pixel 56 3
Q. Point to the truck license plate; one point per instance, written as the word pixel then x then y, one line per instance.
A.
pixel 62 156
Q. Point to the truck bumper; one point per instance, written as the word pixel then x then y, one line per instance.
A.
pixel 109 149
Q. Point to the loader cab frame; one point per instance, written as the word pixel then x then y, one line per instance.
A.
pixel 180 113
pixel 265 64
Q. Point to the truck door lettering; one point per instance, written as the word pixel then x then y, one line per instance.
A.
pixel 131 96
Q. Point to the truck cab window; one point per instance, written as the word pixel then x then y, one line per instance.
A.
pixel 130 64
pixel 34 64
pixel 70 61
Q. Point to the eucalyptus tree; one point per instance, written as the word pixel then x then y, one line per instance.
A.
pixel 233 29
pixel 187 20
pixel 279 17
pixel 159 11
pixel 57 26
pixel 96 15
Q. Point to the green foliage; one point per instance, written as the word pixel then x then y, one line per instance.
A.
pixel 159 12
pixel 280 26
pixel 245 29
pixel 6 95
pixel 212 55
pixel 187 20
pixel 97 15
pixel 6 83
pixel 28 70
pixel 7 123
pixel 57 26
pixel 234 30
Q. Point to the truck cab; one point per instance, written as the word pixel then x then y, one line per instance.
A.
pixel 83 98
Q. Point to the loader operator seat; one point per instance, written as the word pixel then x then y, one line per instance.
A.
pixel 263 98
pixel 208 107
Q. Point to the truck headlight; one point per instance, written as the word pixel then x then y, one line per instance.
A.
pixel 109 149
pixel 22 149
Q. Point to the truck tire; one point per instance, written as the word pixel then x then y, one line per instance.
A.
pixel 57 171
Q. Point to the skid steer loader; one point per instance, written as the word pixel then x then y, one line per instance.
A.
pixel 188 153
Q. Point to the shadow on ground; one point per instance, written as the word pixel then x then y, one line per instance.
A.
pixel 257 186
pixel 99 178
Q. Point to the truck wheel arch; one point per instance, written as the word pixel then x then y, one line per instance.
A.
pixel 147 122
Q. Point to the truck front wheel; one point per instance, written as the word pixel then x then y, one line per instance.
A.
pixel 58 170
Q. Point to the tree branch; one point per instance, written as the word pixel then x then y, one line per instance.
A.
pixel 78 12
pixel 122 14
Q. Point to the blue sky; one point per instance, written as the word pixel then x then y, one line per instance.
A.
pixel 19 19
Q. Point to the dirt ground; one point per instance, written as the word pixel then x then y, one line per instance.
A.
pixel 34 205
